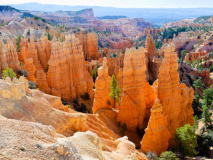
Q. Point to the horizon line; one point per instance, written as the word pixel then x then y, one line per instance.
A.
pixel 109 6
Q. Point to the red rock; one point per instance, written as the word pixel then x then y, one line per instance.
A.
pixel 135 87
pixel 173 103
pixel 67 74
pixel 89 41
pixel 41 79
pixel 28 66
pixel 102 85
pixel 8 56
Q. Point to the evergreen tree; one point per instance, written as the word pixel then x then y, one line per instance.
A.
pixel 183 55
pixel 195 126
pixel 198 84
pixel 8 73
pixel 186 140
pixel 196 105
pixel 208 97
pixel 48 36
pixel 18 40
pixel 115 93
pixel 94 74
pixel 206 116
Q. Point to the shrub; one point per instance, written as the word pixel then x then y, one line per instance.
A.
pixel 48 36
pixel 186 140
pixel 151 156
pixel 8 73
pixel 35 17
pixel 43 20
pixel 32 85
pixel 211 68
pixel 168 155
pixel 198 84
pixel 62 40
pixel 23 72
pixel 204 144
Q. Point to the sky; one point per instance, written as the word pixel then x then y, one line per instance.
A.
pixel 122 3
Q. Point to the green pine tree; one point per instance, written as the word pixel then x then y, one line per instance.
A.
pixel 195 126
pixel 115 92
pixel 198 84
pixel 206 116
pixel 186 140
pixel 94 74
pixel 208 97
pixel 8 73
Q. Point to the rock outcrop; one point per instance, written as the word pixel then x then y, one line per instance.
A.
pixel 194 56
pixel 135 99
pixel 185 70
pixel 172 108
pixel 102 85
pixel 60 66
pixel 29 66
pixel 67 75
pixel 32 52
pixel 153 59
pixel 22 104
pixel 41 79
pixel 89 41
pixel 8 56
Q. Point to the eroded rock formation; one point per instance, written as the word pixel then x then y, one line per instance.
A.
pixel 172 109
pixel 102 85
pixel 67 74
pixel 194 56
pixel 89 41
pixel 8 56
pixel 153 59
pixel 60 66
pixel 29 66
pixel 22 104
pixel 135 99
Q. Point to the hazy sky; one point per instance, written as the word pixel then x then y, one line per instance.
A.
pixel 123 3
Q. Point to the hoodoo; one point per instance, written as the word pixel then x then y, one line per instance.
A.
pixel 172 108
